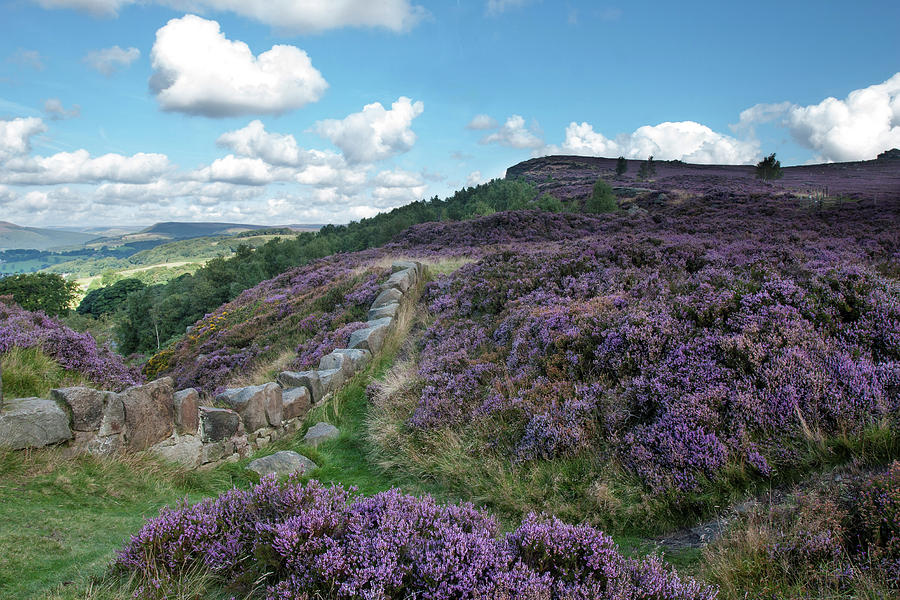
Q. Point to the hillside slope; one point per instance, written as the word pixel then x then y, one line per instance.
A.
pixel 16 237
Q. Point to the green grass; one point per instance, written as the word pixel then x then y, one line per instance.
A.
pixel 62 518
pixel 29 372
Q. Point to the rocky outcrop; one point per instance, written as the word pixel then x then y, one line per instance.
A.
pixel 149 413
pixel 32 423
pixel 187 417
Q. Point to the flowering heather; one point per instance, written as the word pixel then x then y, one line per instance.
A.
pixel 313 541
pixel 72 350
pixel 311 309
pixel 721 332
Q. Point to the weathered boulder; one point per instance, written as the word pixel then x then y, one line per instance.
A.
pixel 32 423
pixel 320 432
pixel 149 413
pixel 332 380
pixel 86 405
pixel 372 337
pixel 282 464
pixel 296 402
pixel 218 424
pixel 388 310
pixel 401 280
pixel 307 379
pixel 184 449
pixel 186 404
pixel 258 405
pixel 350 361
pixel 388 296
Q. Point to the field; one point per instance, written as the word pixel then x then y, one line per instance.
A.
pixel 578 392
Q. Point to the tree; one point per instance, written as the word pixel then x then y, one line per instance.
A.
pixel 48 292
pixel 621 165
pixel 602 200
pixel 769 168
pixel 648 168
pixel 108 299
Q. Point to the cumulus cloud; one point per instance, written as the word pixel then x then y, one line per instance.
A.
pixel 198 71
pixel 298 16
pixel 683 140
pixel 514 134
pixel 482 123
pixel 858 127
pixel 55 110
pixel 375 133
pixel 396 187
pixel 254 141
pixel 109 60
pixel 80 167
pixel 15 135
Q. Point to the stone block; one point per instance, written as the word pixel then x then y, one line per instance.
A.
pixel 388 296
pixel 372 337
pixel 88 407
pixel 307 379
pixel 256 404
pixel 282 464
pixel 32 423
pixel 332 380
pixel 320 432
pixel 187 418
pixel 149 413
pixel 184 450
pixel 388 310
pixel 296 402
pixel 218 424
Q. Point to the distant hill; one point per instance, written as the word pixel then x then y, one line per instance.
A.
pixel 16 237
pixel 183 231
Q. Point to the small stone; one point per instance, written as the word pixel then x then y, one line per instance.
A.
pixel 282 464
pixel 320 432
pixel 32 423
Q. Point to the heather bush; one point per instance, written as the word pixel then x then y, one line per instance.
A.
pixel 70 350
pixel 702 346
pixel 293 541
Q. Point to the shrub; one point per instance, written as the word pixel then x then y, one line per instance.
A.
pixel 325 542
pixel 621 166
pixel 602 199
pixel 47 292
pixel 769 168
pixel 648 169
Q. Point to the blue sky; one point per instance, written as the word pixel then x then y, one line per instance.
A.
pixel 290 111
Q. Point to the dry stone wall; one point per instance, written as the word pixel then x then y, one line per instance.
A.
pixel 177 426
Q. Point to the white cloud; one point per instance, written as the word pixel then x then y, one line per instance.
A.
pixel 514 134
pixel 243 171
pixel 474 178
pixel 15 135
pixel 858 127
pixel 683 140
pixel 6 195
pixel 79 167
pixel 254 141
pixel 55 110
pixel 396 187
pixel 482 122
pixel 496 7
pixel 298 16
pixel 198 71
pixel 109 60
pixel 375 133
